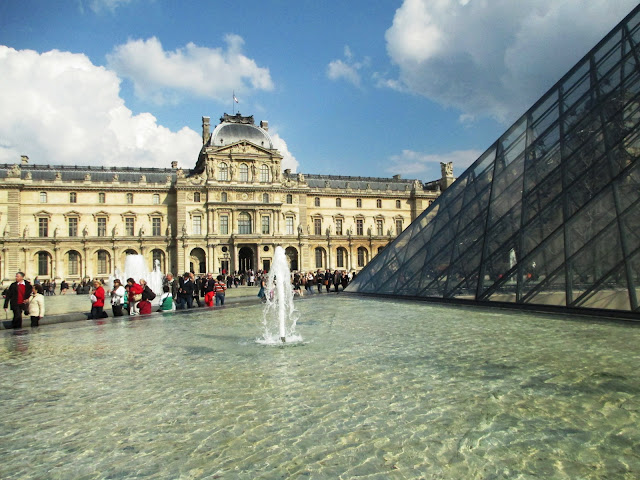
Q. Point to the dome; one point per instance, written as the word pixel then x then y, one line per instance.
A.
pixel 228 133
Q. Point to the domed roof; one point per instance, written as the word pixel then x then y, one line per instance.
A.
pixel 228 133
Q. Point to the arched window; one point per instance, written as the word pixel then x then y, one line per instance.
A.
pixel 265 198
pixel 359 202
pixel 103 262
pixel 157 257
pixel 316 201
pixel 130 198
pixel 379 203
pixel 196 197
pixel 156 199
pixel 320 257
pixel 101 197
pixel 44 261
pixel 264 173
pixel 73 263
pixel 243 172
pixel 289 199
pixel 73 197
pixel 362 256
pixel 398 204
pixel 223 172
pixel 224 197
pixel 43 197
pixel 338 202
pixel 341 257
pixel 244 223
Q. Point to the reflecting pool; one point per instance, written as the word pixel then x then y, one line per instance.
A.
pixel 379 390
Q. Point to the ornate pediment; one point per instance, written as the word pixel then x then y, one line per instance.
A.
pixel 244 148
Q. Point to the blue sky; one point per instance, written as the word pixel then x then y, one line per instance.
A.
pixel 352 88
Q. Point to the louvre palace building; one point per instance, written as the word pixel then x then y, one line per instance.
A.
pixel 227 213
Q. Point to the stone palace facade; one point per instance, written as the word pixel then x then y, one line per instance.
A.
pixel 227 213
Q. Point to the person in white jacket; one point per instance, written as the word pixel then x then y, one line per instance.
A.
pixel 117 298
pixel 36 305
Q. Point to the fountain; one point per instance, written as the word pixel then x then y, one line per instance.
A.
pixel 279 314
pixel 135 267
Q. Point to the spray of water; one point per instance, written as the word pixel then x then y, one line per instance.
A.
pixel 279 316
pixel 135 267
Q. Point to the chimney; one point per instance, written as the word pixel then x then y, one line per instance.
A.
pixel 205 130
pixel 174 164
pixel 24 159
pixel 264 125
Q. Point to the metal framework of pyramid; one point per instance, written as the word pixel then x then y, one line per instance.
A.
pixel 549 215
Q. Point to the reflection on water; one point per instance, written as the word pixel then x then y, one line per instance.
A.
pixel 381 390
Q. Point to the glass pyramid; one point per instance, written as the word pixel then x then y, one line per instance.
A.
pixel 549 215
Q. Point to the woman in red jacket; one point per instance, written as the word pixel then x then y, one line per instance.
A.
pixel 97 301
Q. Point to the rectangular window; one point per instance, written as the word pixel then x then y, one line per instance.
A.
pixel 338 226
pixel 379 227
pixel 101 198
pixel 317 226
pixel 265 225
pixel 289 225
pixel 156 226
pixel 197 225
pixel 359 203
pixel 43 197
pixel 398 227
pixel 102 262
pixel 224 224
pixel 340 258
pixel 73 264
pixel 129 226
pixel 73 197
pixel 102 227
pixel 73 227
pixel 43 227
pixel 359 226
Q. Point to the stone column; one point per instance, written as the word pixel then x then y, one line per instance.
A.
pixel 56 263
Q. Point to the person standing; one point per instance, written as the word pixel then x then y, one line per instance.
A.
pixel 209 290
pixel 220 288
pixel 186 293
pixel 36 305
pixel 97 301
pixel 18 298
pixel 173 286
pixel 117 298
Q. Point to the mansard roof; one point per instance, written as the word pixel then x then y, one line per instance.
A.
pixel 78 173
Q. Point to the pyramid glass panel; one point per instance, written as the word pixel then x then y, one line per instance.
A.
pixel 548 215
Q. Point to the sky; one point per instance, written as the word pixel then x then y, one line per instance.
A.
pixel 349 88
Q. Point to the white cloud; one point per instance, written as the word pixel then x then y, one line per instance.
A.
pixel 493 58
pixel 288 160
pixel 162 76
pixel 99 6
pixel 59 108
pixel 347 69
pixel 414 163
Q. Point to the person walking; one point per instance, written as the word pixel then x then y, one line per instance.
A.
pixel 220 288
pixel 173 286
pixel 36 305
pixel 17 298
pixel 117 298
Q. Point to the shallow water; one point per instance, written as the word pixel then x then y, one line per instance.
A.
pixel 380 390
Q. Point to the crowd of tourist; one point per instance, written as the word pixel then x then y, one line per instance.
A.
pixel 136 297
